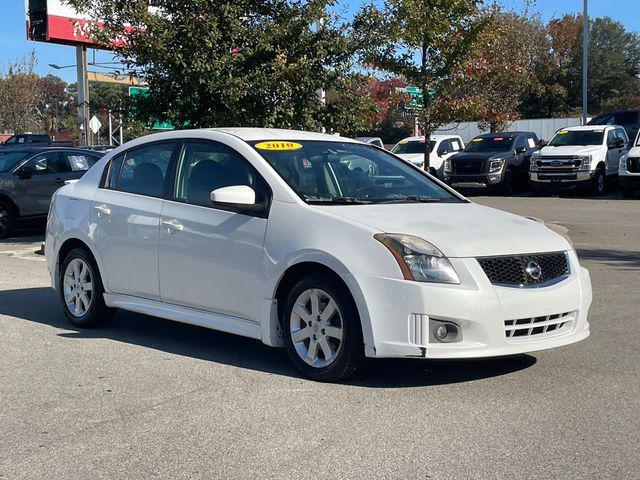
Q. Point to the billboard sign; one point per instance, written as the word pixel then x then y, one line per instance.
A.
pixel 56 22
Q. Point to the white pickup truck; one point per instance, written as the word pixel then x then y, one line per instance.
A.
pixel 579 157
pixel 442 147
pixel 629 173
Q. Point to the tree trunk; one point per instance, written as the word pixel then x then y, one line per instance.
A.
pixel 427 149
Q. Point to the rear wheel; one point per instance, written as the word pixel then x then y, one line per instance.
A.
pixel 322 331
pixel 6 218
pixel 81 291
pixel 599 182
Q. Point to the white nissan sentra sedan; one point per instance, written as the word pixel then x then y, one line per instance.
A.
pixel 331 248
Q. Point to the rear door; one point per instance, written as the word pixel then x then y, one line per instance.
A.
pixel 126 218
pixel 34 193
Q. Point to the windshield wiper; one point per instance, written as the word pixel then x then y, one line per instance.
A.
pixel 412 199
pixel 340 200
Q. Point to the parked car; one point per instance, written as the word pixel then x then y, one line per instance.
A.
pixel 629 171
pixel 33 139
pixel 268 234
pixel 441 147
pixel 101 148
pixel 30 175
pixel 493 161
pixel 585 157
pixel 627 119
pixel 377 141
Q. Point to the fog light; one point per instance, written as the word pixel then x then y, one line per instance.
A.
pixel 444 332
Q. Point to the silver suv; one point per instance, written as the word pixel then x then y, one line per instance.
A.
pixel 29 176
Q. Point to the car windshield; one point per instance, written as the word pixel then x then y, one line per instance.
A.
pixel 489 144
pixel 8 160
pixel 328 172
pixel 577 137
pixel 412 146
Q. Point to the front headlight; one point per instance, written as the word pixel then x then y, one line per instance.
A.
pixel 496 165
pixel 447 165
pixel 533 164
pixel 585 164
pixel 418 259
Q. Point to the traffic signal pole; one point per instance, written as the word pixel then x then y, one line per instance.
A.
pixel 83 94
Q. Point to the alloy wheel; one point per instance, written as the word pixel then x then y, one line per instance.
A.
pixel 316 328
pixel 78 287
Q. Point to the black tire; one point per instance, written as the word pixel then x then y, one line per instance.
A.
pixel 507 186
pixel 628 192
pixel 350 356
pixel 599 182
pixel 6 218
pixel 97 313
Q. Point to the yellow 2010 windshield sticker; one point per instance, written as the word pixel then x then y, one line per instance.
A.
pixel 563 132
pixel 278 146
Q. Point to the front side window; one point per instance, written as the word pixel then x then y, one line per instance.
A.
pixel 412 146
pixel 46 163
pixel 144 169
pixel 521 142
pixel 328 172
pixel 489 144
pixel 8 160
pixel 577 137
pixel 207 166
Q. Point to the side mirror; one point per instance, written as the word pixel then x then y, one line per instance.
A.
pixel 234 195
pixel 521 149
pixel 27 172
pixel 443 152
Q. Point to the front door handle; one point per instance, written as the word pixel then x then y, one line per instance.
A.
pixel 173 225
pixel 102 210
pixel 59 180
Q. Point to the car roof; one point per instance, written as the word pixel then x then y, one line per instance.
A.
pixel 252 134
pixel 27 149
pixel 438 136
pixel 578 128
pixel 503 134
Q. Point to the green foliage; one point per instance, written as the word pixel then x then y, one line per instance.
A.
pixel 246 62
pixel 425 42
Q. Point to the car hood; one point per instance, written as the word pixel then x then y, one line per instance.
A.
pixel 571 150
pixel 478 155
pixel 458 229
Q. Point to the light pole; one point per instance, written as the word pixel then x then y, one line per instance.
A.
pixel 585 61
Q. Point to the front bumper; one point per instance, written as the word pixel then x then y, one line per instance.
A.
pixel 479 308
pixel 546 182
pixel 479 180
pixel 629 180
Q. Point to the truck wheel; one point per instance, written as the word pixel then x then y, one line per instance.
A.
pixel 6 218
pixel 507 187
pixel 599 182
pixel 321 330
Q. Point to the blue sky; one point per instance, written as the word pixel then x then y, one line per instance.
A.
pixel 13 43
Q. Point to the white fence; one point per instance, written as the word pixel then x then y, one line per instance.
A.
pixel 544 128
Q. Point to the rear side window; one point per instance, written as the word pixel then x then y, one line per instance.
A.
pixel 143 170
pixel 78 162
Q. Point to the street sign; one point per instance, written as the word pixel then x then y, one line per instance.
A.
pixel 416 96
pixel 133 91
pixel 94 124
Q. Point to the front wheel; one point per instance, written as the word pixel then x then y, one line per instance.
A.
pixel 508 183
pixel 6 218
pixel 322 332
pixel 81 290
pixel 599 182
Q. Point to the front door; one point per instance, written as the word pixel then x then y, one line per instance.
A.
pixel 126 219
pixel 212 258
pixel 35 191
pixel 614 151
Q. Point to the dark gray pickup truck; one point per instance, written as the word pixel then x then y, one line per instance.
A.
pixel 33 140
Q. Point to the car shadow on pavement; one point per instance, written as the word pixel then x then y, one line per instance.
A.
pixel 627 260
pixel 40 305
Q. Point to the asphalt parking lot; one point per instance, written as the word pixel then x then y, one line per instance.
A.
pixel 149 398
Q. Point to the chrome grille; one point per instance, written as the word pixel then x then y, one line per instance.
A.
pixel 538 326
pixel 512 270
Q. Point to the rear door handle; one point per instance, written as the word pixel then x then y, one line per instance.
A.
pixel 173 225
pixel 102 210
